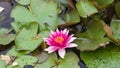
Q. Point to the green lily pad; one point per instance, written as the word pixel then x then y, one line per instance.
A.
pixel 22 18
pixel 45 11
pixel 42 11
pixel 70 61
pixel 107 57
pixel 23 2
pixel 93 37
pixel 85 8
pixel 5 37
pixel 2 64
pixel 50 62
pixel 103 3
pixel 25 60
pixel 14 52
pixel 69 18
pixel 115 27
pixel 28 39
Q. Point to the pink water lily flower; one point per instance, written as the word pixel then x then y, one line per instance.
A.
pixel 59 40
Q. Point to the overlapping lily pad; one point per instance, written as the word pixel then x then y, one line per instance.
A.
pixel 103 3
pixel 115 27
pixel 70 61
pixel 23 2
pixel 69 19
pixel 85 8
pixel 28 39
pixel 107 57
pixel 24 60
pixel 41 11
pixel 5 36
pixel 93 37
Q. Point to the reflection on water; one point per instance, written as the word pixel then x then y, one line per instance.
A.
pixel 5 19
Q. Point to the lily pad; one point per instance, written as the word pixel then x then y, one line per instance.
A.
pixel 28 39
pixel 70 18
pixel 45 11
pixel 25 60
pixel 115 27
pixel 41 11
pixel 85 8
pixel 5 37
pixel 50 62
pixel 21 20
pixel 2 64
pixel 70 61
pixel 103 3
pixel 107 57
pixel 93 37
pixel 23 2
pixel 14 52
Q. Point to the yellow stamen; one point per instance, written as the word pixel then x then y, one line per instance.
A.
pixel 59 39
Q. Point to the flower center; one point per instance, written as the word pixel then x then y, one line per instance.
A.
pixel 59 39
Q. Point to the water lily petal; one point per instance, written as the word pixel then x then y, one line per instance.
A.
pixel 71 39
pixel 71 45
pixel 51 49
pixel 61 52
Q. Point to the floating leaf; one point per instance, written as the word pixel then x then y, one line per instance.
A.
pixel 85 8
pixel 23 2
pixel 117 9
pixel 107 57
pixel 2 64
pixel 115 27
pixel 21 19
pixel 28 39
pixel 70 61
pixel 69 18
pixel 103 3
pixel 45 11
pixel 42 11
pixel 50 62
pixel 5 37
pixel 24 60
pixel 14 52
pixel 93 37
